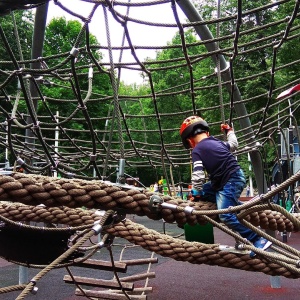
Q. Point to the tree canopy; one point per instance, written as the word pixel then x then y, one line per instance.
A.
pixel 97 116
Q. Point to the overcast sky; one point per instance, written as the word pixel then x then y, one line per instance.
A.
pixel 141 35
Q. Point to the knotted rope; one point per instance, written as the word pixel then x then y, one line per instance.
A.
pixel 266 219
pixel 194 252
pixel 165 245
pixel 54 192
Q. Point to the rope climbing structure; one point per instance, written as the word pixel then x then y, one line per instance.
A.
pixel 70 122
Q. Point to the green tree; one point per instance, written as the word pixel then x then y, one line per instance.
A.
pixel 17 28
pixel 60 37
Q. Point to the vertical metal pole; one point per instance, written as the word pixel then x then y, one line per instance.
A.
pixel 172 181
pixel 120 176
pixel 250 177
pixel 7 165
pixel 56 138
pixel 37 50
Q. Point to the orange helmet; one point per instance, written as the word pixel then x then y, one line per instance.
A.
pixel 189 126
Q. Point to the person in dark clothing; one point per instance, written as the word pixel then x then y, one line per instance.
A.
pixel 247 191
pixel 226 178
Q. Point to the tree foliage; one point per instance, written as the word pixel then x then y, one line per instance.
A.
pixel 60 37
pixel 170 74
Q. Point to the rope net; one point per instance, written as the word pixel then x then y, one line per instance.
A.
pixel 141 125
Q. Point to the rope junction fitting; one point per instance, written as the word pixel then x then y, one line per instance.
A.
pixel 33 190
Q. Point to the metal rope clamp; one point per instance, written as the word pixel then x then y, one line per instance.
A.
pixel 155 203
pixel 118 216
pixel 108 242
pixel 34 290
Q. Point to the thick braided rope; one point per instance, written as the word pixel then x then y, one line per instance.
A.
pixel 194 252
pixel 266 219
pixel 152 240
pixel 12 288
pixel 34 190
pixel 54 192
pixel 56 215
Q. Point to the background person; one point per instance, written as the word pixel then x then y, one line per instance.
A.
pixel 179 191
pixel 247 191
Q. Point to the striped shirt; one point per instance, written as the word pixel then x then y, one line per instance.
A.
pixel 213 156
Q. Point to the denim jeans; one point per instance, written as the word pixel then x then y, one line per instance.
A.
pixel 229 196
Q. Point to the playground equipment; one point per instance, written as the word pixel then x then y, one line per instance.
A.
pixel 140 130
